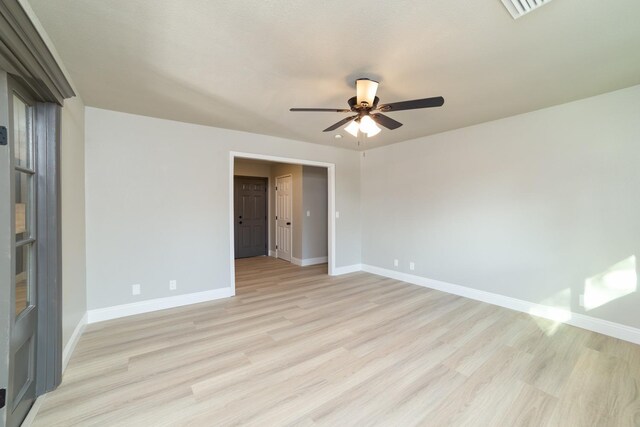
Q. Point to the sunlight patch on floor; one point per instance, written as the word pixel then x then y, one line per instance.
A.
pixel 553 311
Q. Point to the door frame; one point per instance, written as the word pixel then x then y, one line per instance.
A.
pixel 45 218
pixel 276 220
pixel 331 205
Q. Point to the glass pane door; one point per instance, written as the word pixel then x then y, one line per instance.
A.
pixel 24 176
pixel 22 358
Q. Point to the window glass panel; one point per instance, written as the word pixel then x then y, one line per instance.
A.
pixel 22 133
pixel 23 277
pixel 23 190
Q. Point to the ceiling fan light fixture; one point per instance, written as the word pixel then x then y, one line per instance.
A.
pixel 353 128
pixel 366 91
pixel 374 132
pixel 368 126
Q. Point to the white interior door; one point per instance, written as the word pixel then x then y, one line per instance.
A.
pixel 284 220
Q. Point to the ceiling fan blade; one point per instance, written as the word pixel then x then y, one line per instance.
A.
pixel 340 123
pixel 333 110
pixel 437 101
pixel 385 121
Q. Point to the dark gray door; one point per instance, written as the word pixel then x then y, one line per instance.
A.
pixel 21 390
pixel 250 212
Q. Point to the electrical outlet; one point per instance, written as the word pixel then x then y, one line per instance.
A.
pixel 581 300
pixel 308 213
pixel 395 262
pixel 337 214
pixel 412 265
pixel 173 284
pixel 135 289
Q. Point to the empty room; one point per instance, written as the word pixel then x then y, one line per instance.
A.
pixel 335 213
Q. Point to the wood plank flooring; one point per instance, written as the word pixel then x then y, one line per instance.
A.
pixel 296 347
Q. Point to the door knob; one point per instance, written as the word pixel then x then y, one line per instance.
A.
pixel 239 222
pixel 288 223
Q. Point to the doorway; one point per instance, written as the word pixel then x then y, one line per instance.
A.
pixel 329 207
pixel 33 88
pixel 30 303
pixel 250 210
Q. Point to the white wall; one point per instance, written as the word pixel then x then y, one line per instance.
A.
pixel 72 187
pixel 528 207
pixel 314 202
pixel 158 204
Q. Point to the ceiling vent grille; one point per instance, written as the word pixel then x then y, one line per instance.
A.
pixel 518 8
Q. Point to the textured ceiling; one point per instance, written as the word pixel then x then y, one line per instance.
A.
pixel 242 64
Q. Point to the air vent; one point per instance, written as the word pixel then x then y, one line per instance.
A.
pixel 518 8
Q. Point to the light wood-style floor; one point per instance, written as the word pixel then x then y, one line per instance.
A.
pixel 297 347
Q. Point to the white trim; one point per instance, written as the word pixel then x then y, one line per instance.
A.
pixel 73 341
pixel 31 415
pixel 117 311
pixel 272 254
pixel 309 261
pixel 232 237
pixel 338 271
pixel 315 261
pixel 331 208
pixel 616 330
pixel 269 217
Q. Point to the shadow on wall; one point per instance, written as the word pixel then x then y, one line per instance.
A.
pixel 615 282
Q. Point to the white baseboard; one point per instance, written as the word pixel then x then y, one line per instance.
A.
pixel 73 341
pixel 605 327
pixel 31 416
pixel 338 271
pixel 272 254
pixel 115 312
pixel 309 261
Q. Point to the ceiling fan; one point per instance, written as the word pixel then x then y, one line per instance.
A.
pixel 368 113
